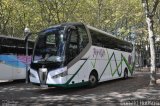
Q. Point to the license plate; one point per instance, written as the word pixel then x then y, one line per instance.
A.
pixel 44 86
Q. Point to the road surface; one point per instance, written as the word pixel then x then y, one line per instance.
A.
pixel 116 92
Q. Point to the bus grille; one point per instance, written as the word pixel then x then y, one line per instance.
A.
pixel 43 75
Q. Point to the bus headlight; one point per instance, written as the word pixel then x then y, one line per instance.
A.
pixel 63 74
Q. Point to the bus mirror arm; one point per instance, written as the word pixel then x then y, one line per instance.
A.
pixel 26 42
pixel 27 36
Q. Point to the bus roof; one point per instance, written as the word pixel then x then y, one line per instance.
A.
pixel 101 31
pixel 65 24
pixel 88 26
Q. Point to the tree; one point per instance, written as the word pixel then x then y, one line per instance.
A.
pixel 108 15
pixel 149 19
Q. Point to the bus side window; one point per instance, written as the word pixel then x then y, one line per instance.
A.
pixel 83 37
pixel 73 45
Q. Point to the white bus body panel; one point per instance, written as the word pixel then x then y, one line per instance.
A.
pixel 6 72
pixel 11 73
pixel 12 68
pixel 34 79
pixel 107 62
pixel 98 61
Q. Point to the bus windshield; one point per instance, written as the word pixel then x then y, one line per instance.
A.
pixel 50 46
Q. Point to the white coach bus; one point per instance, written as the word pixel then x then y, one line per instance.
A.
pixel 74 54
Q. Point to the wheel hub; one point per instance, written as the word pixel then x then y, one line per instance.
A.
pixel 92 79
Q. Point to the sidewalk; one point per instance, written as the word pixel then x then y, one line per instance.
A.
pixel 134 91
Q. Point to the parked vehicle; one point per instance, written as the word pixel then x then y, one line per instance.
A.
pixel 13 58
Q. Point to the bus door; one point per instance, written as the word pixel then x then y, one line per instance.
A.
pixel 78 39
pixel 72 51
pixel 73 45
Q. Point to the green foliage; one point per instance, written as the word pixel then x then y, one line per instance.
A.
pixel 108 15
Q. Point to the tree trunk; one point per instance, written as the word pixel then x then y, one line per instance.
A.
pixel 149 20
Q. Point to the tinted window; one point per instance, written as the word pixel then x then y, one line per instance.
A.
pixel 14 46
pixel 50 46
pixel 102 40
pixel 83 37
pixel 78 39
pixel 73 37
pixel 72 50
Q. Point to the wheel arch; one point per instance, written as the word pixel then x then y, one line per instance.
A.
pixel 94 71
pixel 126 69
pixel 125 73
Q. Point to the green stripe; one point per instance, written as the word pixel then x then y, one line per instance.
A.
pixel 119 74
pixel 128 65
pixel 71 85
pixel 110 63
pixel 68 86
pixel 117 66
pixel 106 66
pixel 120 64
pixel 75 74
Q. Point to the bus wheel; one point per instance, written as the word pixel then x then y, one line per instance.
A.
pixel 125 74
pixel 93 79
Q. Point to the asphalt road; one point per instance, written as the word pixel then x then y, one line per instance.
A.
pixel 113 92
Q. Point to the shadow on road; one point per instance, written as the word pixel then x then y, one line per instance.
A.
pixel 7 83
pixel 86 89
pixel 114 91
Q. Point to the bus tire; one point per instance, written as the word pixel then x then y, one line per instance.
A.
pixel 125 73
pixel 93 79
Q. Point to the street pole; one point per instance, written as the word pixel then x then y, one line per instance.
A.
pixel 27 79
pixel 27 34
